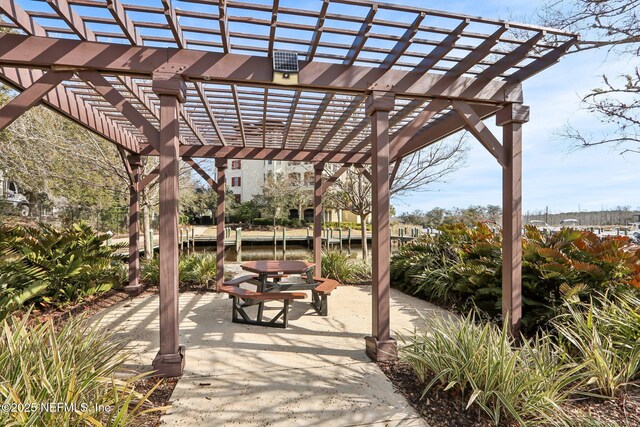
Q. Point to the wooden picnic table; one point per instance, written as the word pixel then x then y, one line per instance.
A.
pixel 270 290
pixel 276 269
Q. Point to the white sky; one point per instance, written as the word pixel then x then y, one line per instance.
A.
pixel 553 174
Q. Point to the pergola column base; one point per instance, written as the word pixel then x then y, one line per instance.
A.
pixel 169 365
pixel 134 290
pixel 381 350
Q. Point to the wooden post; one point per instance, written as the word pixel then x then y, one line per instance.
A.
pixel 380 346
pixel 151 245
pixel 169 361
pixel 511 118
pixel 340 237
pixel 349 238
pixel 134 287
pixel 317 218
pixel 239 244
pixel 221 167
pixel 284 243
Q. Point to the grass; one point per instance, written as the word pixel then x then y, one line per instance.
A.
pixel 603 336
pixel 345 268
pixel 525 384
pixel 198 268
pixel 76 364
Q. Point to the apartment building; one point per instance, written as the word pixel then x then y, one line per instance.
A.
pixel 245 179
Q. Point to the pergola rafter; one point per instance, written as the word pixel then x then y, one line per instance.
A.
pixel 377 82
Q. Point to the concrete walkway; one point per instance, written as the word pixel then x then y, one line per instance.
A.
pixel 314 373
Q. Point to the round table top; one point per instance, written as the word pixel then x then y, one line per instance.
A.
pixel 277 266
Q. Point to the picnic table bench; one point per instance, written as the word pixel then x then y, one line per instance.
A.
pixel 320 288
pixel 239 315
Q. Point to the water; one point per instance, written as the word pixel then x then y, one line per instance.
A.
pixel 268 252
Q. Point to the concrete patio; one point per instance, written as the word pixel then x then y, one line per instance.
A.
pixel 314 373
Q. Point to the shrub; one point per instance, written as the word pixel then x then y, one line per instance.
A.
pixel 197 268
pixel 525 384
pixel 47 266
pixel 603 336
pixel 280 222
pixel 150 270
pixel 345 268
pixel 344 225
pixel 462 266
pixel 77 363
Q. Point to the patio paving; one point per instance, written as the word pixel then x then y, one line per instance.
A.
pixel 314 373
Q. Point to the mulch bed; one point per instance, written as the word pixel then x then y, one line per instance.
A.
pixel 439 408
pixel 447 408
pixel 160 397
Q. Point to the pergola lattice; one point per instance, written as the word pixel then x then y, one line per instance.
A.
pixel 194 79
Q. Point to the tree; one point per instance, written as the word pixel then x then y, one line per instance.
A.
pixel 55 159
pixel 416 172
pixel 613 25
pixel 281 193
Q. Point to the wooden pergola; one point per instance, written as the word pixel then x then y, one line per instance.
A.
pixel 376 82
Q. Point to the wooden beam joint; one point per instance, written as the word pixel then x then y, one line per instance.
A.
pixel 512 113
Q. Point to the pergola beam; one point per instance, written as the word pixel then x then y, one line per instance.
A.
pixel 346 115
pixel 196 167
pixel 19 50
pixel 104 88
pixel 540 64
pixel 449 124
pixel 75 108
pixel 73 20
pixel 63 101
pixel 207 107
pixel 446 45
pixel 31 96
pixel 260 153
pixel 403 44
pixel 21 18
pixel 149 178
pixel 313 46
pixel 236 103
pixel 122 19
pixel 328 182
pixel 355 49
pixel 174 25
pixel 476 126
pixel 402 136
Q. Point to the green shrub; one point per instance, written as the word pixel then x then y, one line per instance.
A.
pixel 77 363
pixel 345 268
pixel 344 225
pixel 462 266
pixel 603 336
pixel 280 222
pixel 262 221
pixel 525 384
pixel 150 271
pixel 47 266
pixel 197 268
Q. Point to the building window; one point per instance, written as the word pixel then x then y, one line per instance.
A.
pixel 236 164
pixel 238 198
pixel 236 181
pixel 269 162
pixel 294 177
pixel 308 178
